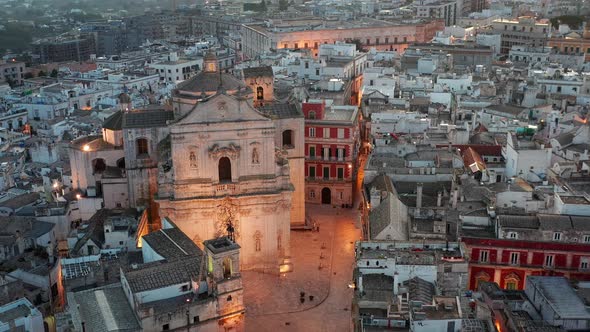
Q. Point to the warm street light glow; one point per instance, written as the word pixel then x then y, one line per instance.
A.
pixel 78 196
pixel 55 185
pixel 86 147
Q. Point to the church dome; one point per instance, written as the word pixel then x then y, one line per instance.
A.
pixel 206 84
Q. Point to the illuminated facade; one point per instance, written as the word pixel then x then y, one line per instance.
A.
pixel 217 163
pixel 509 262
pixel 230 175
pixel 572 44
pixel 311 33
pixel 332 141
pixel 524 31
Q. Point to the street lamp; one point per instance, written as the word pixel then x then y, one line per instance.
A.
pixel 86 147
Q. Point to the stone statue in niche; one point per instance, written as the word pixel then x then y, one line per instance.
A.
pixel 227 221
pixel 257 241
pixel 255 156
pixel 192 159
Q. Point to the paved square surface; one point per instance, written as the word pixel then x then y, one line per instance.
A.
pixel 273 303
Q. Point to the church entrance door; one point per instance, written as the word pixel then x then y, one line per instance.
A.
pixel 326 196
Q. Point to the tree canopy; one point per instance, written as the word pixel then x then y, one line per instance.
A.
pixel 283 4
pixel 255 7
pixel 573 21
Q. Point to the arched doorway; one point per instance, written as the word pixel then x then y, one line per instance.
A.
pixel 121 163
pixel 259 93
pixel 326 196
pixel 141 147
pixel 98 166
pixel 224 170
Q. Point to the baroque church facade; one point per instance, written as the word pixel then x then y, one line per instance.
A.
pixel 225 160
pixel 229 177
pixel 233 152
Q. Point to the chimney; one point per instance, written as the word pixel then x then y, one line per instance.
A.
pixel 439 199
pixel 419 195
pixel 455 198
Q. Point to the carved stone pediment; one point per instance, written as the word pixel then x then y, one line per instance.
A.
pixel 284 204
pixel 232 151
pixel 178 137
pixel 227 220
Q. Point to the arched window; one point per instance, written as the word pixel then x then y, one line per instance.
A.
pixel 288 139
pixel 224 170
pixel 98 166
pixel 312 115
pixel 259 93
pixel 227 268
pixel 141 146
pixel 121 163
pixel 511 282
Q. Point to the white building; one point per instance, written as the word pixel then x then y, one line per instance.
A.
pixel 119 232
pixel 14 119
pixel 572 205
pixel 43 108
pixel 526 159
pixel 529 55
pixel 555 79
pixel 446 10
pixel 557 302
pixel 379 79
pixel 339 60
pixel 398 122
pixel 176 69
pixel 458 84
pixel 20 315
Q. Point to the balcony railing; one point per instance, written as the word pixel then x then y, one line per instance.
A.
pixel 323 179
pixel 226 188
pixel 321 158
